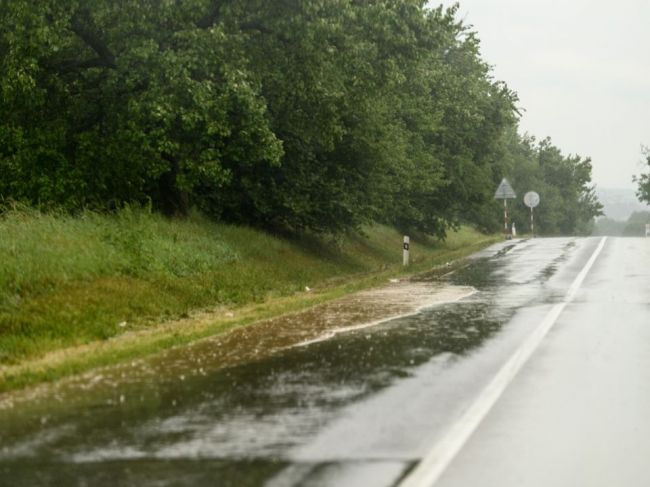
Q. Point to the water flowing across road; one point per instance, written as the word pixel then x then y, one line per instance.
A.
pixel 356 392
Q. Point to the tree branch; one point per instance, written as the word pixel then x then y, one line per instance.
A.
pixel 71 65
pixel 211 18
pixel 82 25
pixel 255 26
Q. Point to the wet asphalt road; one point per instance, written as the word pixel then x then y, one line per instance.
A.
pixel 365 407
pixel 578 413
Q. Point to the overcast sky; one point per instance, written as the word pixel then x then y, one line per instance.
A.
pixel 581 70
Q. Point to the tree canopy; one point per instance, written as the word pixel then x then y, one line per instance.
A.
pixel 292 114
pixel 568 203
pixel 643 181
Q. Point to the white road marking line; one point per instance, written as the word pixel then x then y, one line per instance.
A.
pixel 434 464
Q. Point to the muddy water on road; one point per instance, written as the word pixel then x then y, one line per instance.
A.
pixel 227 410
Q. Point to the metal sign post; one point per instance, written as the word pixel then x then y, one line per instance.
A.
pixel 531 200
pixel 505 192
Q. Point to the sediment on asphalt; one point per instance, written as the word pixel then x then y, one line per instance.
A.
pixel 358 264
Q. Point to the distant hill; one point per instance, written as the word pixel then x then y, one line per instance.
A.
pixel 619 203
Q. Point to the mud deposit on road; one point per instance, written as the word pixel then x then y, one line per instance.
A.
pixel 255 402
pixel 265 338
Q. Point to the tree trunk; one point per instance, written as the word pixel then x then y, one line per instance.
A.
pixel 173 201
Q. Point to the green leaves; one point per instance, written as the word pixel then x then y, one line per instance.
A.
pixel 297 115
pixel 568 202
pixel 643 180
pixel 131 99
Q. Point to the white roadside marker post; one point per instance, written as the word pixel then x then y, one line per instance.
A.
pixel 406 246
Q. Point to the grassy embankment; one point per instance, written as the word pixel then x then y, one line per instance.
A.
pixel 79 292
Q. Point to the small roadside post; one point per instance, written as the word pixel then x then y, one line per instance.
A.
pixel 647 229
pixel 406 247
pixel 531 200
pixel 505 192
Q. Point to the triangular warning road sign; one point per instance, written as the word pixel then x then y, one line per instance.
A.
pixel 505 191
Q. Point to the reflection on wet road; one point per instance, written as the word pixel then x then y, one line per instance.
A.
pixel 577 413
pixel 355 407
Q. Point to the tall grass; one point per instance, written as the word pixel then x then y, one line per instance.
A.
pixel 66 280
pixel 41 251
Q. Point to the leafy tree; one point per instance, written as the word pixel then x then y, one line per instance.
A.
pixel 568 203
pixel 609 226
pixel 635 225
pixel 299 115
pixel 107 102
pixel 643 181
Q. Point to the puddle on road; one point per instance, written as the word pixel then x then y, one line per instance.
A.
pixel 252 412
pixel 360 310
pixel 242 400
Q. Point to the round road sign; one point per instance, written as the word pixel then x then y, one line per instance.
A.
pixel 531 199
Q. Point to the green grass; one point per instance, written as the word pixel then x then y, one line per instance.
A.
pixel 72 280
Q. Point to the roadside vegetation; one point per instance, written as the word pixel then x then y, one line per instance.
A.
pixel 297 116
pixel 149 151
pixel 634 226
pixel 643 180
pixel 72 280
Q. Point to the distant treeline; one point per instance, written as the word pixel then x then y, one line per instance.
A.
pixel 633 227
pixel 292 114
